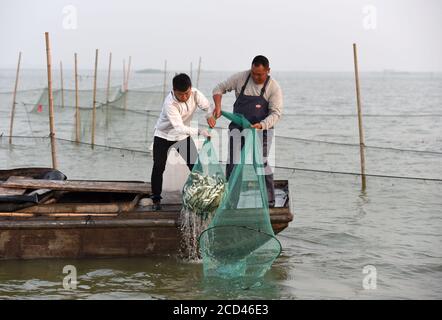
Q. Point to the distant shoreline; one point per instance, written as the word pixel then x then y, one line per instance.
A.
pixel 159 71
pixel 149 71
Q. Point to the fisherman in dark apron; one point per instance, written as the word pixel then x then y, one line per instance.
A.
pixel 262 107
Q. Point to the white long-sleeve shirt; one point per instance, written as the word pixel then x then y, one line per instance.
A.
pixel 174 121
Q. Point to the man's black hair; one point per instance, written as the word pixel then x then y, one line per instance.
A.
pixel 260 61
pixel 181 82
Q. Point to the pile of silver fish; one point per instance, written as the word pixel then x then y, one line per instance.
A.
pixel 202 194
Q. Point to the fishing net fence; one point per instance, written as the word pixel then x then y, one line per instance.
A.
pixel 125 123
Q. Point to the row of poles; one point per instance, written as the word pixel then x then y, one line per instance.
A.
pixel 125 88
pixel 191 75
pixel 77 110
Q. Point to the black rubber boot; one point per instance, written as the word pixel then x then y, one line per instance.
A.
pixel 156 205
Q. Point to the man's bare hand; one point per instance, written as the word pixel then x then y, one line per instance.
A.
pixel 257 126
pixel 211 121
pixel 217 102
pixel 204 133
pixel 217 112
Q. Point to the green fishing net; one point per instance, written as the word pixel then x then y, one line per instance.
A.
pixel 202 195
pixel 240 242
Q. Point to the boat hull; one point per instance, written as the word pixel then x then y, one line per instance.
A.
pixel 133 234
pixel 98 219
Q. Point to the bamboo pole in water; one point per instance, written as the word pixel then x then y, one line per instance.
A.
pixel 108 77
pixel 13 99
pixel 198 74
pixel 107 92
pixel 361 128
pixel 128 73
pixel 124 75
pixel 126 83
pixel 165 78
pixel 61 82
pixel 51 103
pixel 191 71
pixel 94 99
pixel 77 109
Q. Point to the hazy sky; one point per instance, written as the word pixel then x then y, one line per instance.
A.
pixel 311 35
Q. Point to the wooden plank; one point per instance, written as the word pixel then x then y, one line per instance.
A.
pixel 15 215
pixel 83 223
pixel 57 215
pixel 175 197
pixel 115 207
pixel 79 208
pixel 11 191
pixel 93 186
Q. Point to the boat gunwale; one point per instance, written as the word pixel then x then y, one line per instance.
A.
pixel 137 216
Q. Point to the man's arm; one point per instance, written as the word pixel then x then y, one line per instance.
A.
pixel 177 122
pixel 275 110
pixel 223 87
pixel 203 103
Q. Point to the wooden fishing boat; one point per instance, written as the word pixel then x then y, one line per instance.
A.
pixel 42 215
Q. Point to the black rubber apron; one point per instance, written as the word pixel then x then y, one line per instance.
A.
pixel 255 109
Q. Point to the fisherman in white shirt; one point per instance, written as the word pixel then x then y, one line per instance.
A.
pixel 173 130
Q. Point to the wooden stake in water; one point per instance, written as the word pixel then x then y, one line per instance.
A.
pixel 198 74
pixel 126 83
pixel 165 79
pixel 107 91
pixel 108 77
pixel 11 125
pixel 361 128
pixel 94 99
pixel 51 103
pixel 191 71
pixel 77 109
pixel 61 82
pixel 124 75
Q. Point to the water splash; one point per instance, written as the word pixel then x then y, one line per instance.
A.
pixel 191 226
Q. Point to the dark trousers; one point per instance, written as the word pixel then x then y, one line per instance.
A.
pixel 235 154
pixel 186 149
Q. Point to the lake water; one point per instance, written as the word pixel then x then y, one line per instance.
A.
pixel 392 230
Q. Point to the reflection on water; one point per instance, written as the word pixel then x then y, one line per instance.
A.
pixel 147 278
